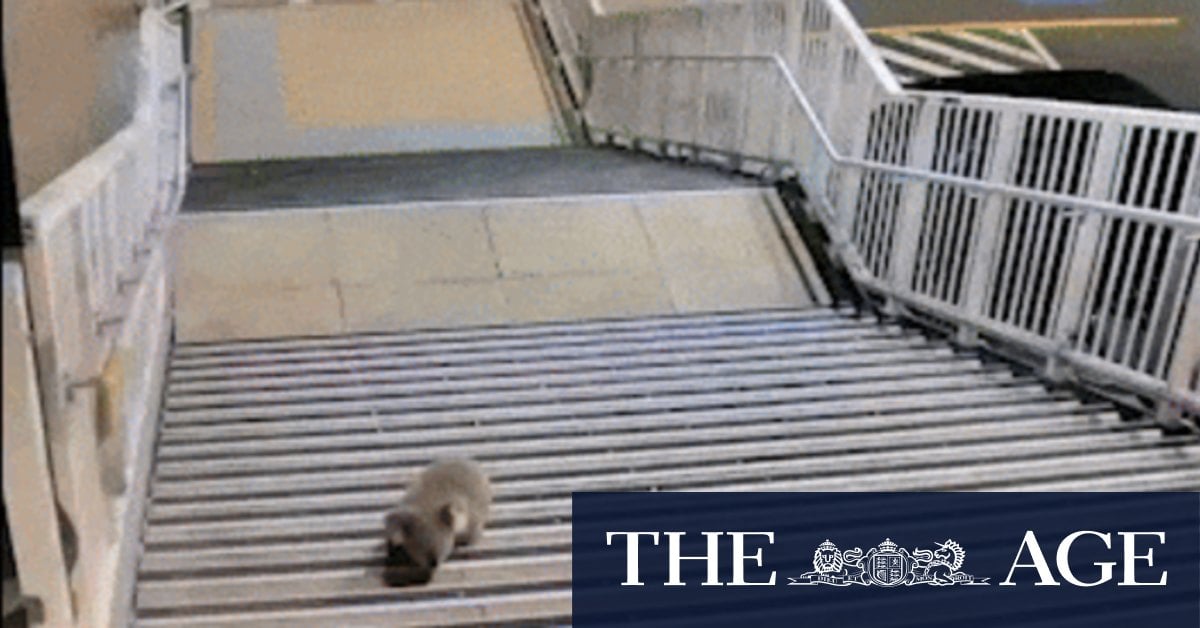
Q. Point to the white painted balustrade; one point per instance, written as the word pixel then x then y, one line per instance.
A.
pixel 95 275
pixel 1067 231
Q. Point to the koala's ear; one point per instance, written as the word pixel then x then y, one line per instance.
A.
pixel 453 516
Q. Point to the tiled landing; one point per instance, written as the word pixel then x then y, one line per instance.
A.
pixel 257 274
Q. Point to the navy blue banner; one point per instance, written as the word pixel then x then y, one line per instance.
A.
pixel 887 560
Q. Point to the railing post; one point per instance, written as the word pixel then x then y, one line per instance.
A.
pixel 842 186
pixel 28 489
pixel 1183 376
pixel 1072 307
pixel 77 475
pixel 911 209
pixel 986 232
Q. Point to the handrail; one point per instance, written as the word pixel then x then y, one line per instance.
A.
pixel 123 216
pixel 1191 223
pixel 96 271
pixel 863 43
pixel 797 91
pixel 1064 228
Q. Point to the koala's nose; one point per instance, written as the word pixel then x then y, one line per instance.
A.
pixel 433 563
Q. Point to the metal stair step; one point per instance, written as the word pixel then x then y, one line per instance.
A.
pixel 509 441
pixel 352 585
pixel 774 385
pixel 814 340
pixel 355 470
pixel 397 372
pixel 466 425
pixel 550 605
pixel 190 352
pixel 277 458
pixel 394 384
pixel 832 343
pixel 363 548
pixel 645 470
pixel 301 526
pixel 472 346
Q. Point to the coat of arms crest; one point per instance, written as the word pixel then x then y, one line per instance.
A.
pixel 888 565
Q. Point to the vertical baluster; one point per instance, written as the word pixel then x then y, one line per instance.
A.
pixel 1082 285
pixel 1079 145
pixel 924 242
pixel 109 236
pixel 942 210
pixel 871 209
pixel 28 487
pixel 1025 219
pixel 1128 243
pixel 939 211
pixel 88 272
pixel 1084 292
pixel 912 203
pixel 1168 299
pixel 883 209
pixel 1152 276
pixel 981 253
pixel 1181 377
pixel 1179 262
pixel 1180 369
pixel 847 203
pixel 1061 160
pixel 968 203
pixel 1011 214
pixel 1127 312
pixel 1032 257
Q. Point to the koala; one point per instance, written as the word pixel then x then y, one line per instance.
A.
pixel 445 506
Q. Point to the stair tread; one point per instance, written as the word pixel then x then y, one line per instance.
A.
pixel 277 458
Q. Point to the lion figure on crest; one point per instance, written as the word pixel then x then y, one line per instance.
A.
pixel 828 561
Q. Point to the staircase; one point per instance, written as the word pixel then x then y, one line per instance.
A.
pixel 702 351
pixel 277 458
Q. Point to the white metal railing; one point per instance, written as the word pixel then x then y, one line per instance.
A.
pixel 1070 230
pixel 91 229
pixel 95 272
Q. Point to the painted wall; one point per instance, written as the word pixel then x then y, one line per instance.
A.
pixel 363 77
pixel 71 67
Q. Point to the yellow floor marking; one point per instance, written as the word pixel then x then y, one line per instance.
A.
pixel 1097 22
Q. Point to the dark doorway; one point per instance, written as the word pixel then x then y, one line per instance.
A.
pixel 11 229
